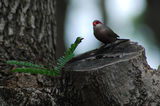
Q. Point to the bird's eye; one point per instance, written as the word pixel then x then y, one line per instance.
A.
pixel 95 23
pixel 98 22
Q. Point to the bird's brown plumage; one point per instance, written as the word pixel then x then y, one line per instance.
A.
pixel 104 33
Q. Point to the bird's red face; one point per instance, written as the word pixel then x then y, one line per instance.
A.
pixel 96 22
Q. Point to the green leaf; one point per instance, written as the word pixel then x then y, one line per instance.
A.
pixel 35 71
pixel 68 55
pixel 22 63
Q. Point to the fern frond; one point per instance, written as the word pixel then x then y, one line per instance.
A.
pixel 36 71
pixel 62 62
pixel 39 69
pixel 68 55
pixel 26 64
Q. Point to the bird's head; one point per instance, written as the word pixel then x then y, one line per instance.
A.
pixel 96 22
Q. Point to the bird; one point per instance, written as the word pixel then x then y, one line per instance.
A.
pixel 103 33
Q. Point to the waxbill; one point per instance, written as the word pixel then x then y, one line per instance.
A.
pixel 103 33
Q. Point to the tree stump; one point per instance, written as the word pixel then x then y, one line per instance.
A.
pixel 110 76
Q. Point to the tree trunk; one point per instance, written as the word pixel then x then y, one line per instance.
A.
pixel 61 9
pixel 151 18
pixel 110 76
pixel 27 33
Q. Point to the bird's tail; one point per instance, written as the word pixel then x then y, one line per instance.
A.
pixel 122 40
pixel 117 42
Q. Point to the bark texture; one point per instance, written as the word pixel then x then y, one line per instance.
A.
pixel 27 33
pixel 110 76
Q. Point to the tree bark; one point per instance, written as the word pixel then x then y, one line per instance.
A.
pixel 27 33
pixel 110 76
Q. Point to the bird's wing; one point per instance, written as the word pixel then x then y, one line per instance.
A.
pixel 111 33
